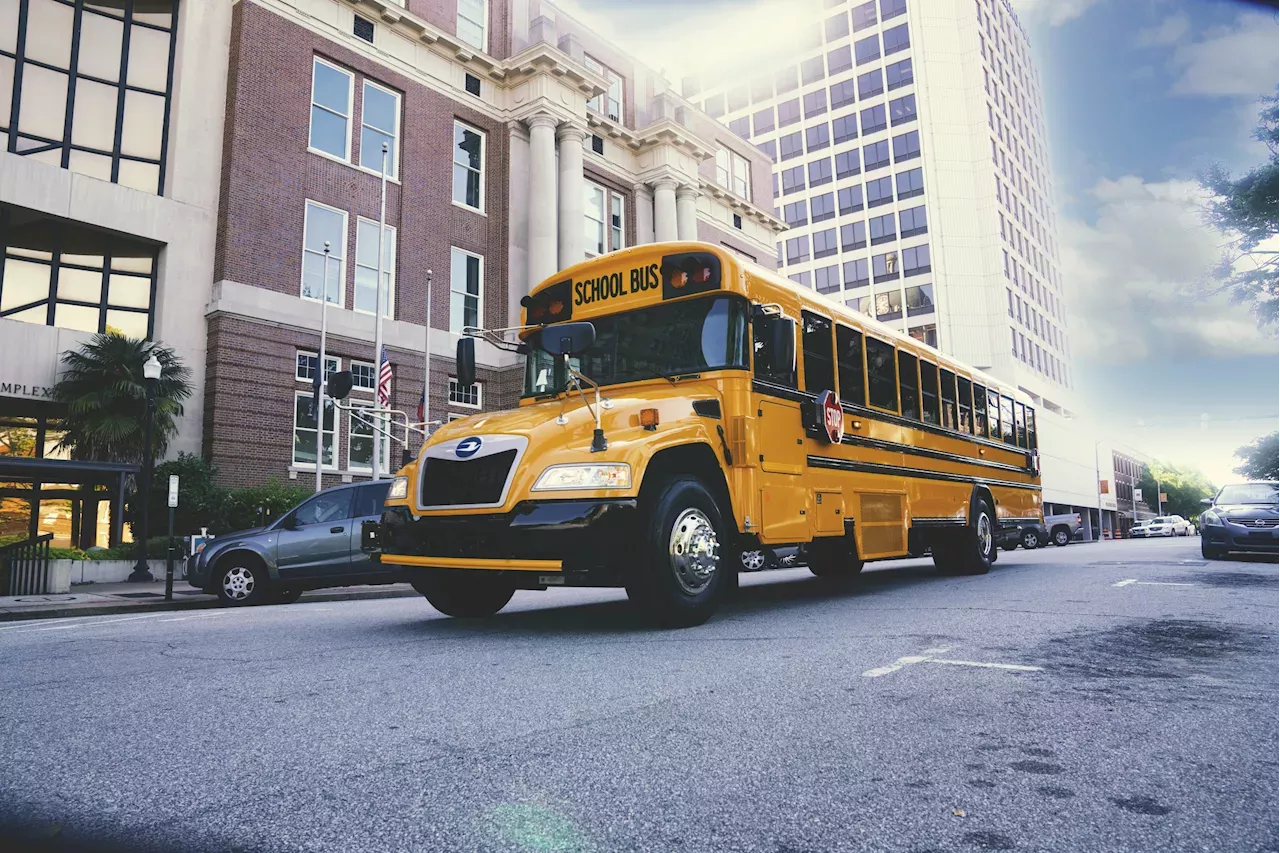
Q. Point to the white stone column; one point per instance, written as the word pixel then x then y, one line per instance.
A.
pixel 687 213
pixel 517 221
pixel 664 211
pixel 542 198
pixel 572 199
pixel 643 213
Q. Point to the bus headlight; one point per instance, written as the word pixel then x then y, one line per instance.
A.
pixel 599 476
pixel 399 489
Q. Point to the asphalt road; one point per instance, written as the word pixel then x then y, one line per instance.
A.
pixel 1048 706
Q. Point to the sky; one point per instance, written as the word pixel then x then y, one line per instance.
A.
pixel 1140 96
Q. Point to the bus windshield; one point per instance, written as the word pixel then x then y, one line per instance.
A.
pixel 659 341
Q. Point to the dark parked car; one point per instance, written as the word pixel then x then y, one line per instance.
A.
pixel 314 545
pixel 1244 517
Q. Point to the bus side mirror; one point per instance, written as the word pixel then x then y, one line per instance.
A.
pixel 466 361
pixel 780 333
pixel 567 338
pixel 339 384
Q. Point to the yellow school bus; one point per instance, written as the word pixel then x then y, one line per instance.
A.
pixel 681 406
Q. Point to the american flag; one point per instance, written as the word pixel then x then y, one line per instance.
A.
pixel 384 381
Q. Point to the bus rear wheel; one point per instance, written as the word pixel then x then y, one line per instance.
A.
pixel 461 594
pixel 973 550
pixel 684 567
pixel 834 558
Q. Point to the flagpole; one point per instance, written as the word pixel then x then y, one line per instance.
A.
pixel 426 369
pixel 378 438
pixel 324 330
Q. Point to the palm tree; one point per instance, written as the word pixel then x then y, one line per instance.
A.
pixel 106 398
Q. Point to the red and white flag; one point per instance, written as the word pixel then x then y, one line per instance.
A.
pixel 384 382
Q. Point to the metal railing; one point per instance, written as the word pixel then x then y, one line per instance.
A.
pixel 24 566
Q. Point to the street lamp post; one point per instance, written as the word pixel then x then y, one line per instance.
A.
pixel 151 370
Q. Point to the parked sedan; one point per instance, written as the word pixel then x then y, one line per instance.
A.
pixel 1162 525
pixel 1243 517
pixel 314 545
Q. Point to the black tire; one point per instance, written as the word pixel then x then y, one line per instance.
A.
pixel 682 572
pixel 240 579
pixel 1030 540
pixel 1061 537
pixel 287 596
pixel 972 551
pixel 1012 546
pixel 1209 552
pixel 463 595
pixel 834 558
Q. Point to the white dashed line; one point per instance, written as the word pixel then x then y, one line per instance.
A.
pixel 1136 582
pixel 196 616
pixel 901 662
pixel 1014 666
pixel 930 656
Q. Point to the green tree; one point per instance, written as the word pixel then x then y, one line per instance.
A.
pixel 1261 458
pixel 105 394
pixel 200 502
pixel 1245 208
pixel 1184 486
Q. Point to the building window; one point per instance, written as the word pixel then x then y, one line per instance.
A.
pixel 365 299
pixel 927 334
pixel 380 122
pixel 304 369
pixel 873 119
pixel 896 39
pixel 360 439
pixel 770 147
pixel 915 261
pixel 795 214
pixel 465 290
pixel 762 121
pixel 824 243
pixel 899 74
pixel 714 106
pixel 864 16
pixel 823 207
pixel 362 28
pixel 867 50
pixel 842 94
pixel 906 146
pixel 827 279
pixel 811 70
pixel 304 430
pixel 786 79
pixel 466 396
pixel 815 103
pixel 847 164
pixel 870 84
pixel 738 99
pixel 468 166
pixel 473 23
pixel 840 59
pixel 892 9
pixel 910 184
pixel 919 299
pixel 853 235
pixel 912 222
pixel 605 223
pixel 471 83
pixel 364 376
pixel 60 274
pixel 857 273
pixel 790 145
pixel 876 155
pixel 879 191
pixel 330 109
pixel 801 278
pixel 324 224
pixel 820 172
pixel 837 27
pixel 788 112
pixel 792 180
pixel 882 229
pixel 817 137
pixel 73 108
pixel 741 126
pixel 884 267
pixel 797 249
pixel 850 199
pixel 845 128
pixel 903 110
pixel 733 171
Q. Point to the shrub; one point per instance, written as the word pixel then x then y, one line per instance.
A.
pixel 240 509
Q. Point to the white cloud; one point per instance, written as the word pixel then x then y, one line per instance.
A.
pixel 1056 12
pixel 1242 59
pixel 1132 278
pixel 1169 31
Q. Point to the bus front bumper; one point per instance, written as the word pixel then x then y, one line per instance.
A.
pixel 584 541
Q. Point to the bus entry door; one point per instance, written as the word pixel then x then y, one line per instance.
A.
pixel 780 444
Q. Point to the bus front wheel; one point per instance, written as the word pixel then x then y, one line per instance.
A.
pixel 684 567
pixel 973 550
pixel 462 594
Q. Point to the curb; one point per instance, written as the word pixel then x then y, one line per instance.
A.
pixel 199 604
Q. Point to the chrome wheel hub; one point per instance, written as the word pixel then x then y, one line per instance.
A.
pixel 237 583
pixel 984 534
pixel 693 551
pixel 1030 541
pixel 752 561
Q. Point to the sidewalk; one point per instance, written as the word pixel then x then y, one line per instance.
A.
pixel 99 599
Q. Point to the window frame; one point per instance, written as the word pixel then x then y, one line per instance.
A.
pixel 892 376
pixel 325 404
pixel 905 373
pixel 351 83
pixel 342 262
pixel 947 382
pixel 483 47
pixel 609 196
pixel 479 296
pixel 393 173
pixel 809 354
pixel 484 150
pixel 858 371
pixel 390 313
pixel 455 390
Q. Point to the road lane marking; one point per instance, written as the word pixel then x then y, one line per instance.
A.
pixel 84 624
pixel 1135 581
pixel 1128 582
pixel 931 656
pixel 196 616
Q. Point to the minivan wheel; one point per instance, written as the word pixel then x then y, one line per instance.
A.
pixel 461 594
pixel 241 580
pixel 1061 537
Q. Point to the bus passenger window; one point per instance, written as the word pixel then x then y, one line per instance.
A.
pixel 1006 421
pixel 948 399
pixel 849 360
pixel 1020 422
pixel 979 410
pixel 819 361
pixel 760 335
pixel 966 404
pixel 929 392
pixel 909 385
pixel 993 413
pixel 882 376
pixel 1031 429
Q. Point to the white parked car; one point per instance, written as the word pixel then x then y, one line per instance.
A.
pixel 1161 525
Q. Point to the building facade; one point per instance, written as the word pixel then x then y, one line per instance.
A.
pixel 911 167
pixel 217 171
